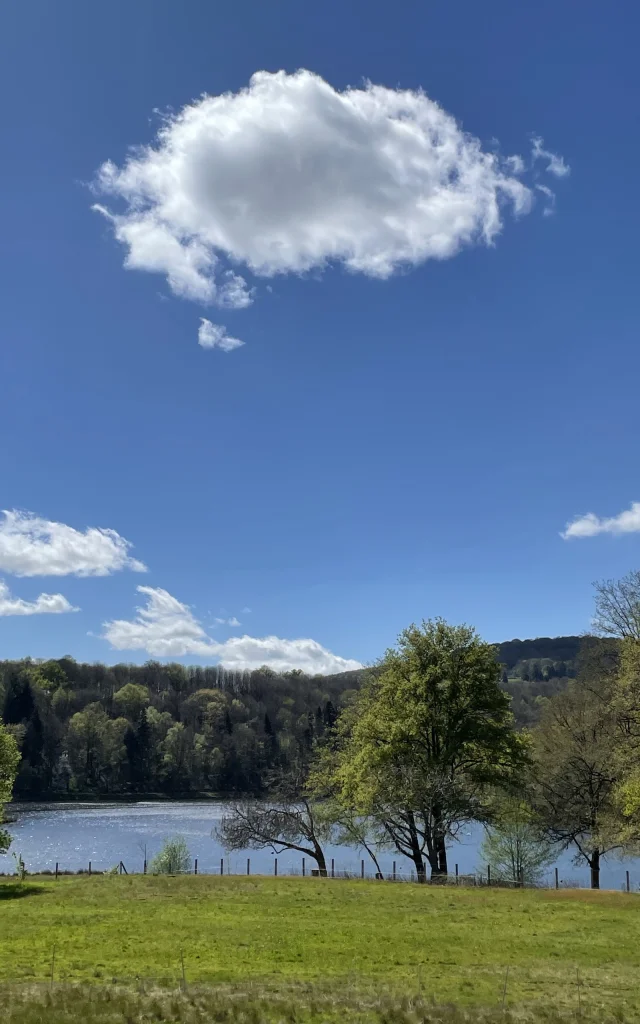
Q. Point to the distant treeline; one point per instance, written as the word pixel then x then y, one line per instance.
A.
pixel 159 728
pixel 554 648
pixel 168 729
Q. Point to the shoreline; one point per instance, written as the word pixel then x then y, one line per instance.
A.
pixel 120 798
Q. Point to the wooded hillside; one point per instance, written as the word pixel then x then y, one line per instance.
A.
pixel 174 730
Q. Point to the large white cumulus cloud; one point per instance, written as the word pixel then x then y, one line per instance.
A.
pixel 291 174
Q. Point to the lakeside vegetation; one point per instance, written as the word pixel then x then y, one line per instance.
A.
pixel 170 730
pixel 417 748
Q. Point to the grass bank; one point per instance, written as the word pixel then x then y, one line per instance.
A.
pixel 353 948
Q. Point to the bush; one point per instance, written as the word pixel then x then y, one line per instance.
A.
pixel 514 847
pixel 174 858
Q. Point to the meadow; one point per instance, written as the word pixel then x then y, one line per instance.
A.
pixel 239 948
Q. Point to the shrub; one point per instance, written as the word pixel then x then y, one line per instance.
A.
pixel 174 858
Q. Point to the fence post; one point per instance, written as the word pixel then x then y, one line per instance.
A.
pixel 275 867
pixel 303 867
pixel 195 866
pixel 333 872
pixel 90 868
pixel 221 866
pixel 361 869
pixel 488 874
pixel 394 870
pixel 184 976
pixel 456 874
pixel 557 881
pixel 504 990
pixel 144 867
pixel 628 888
pixel 248 865
pixel 56 871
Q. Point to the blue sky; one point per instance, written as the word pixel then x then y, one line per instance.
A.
pixel 400 436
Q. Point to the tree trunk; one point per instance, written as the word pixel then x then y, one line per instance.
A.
pixel 416 852
pixel 441 850
pixel 322 864
pixel 438 859
pixel 594 864
pixel 420 869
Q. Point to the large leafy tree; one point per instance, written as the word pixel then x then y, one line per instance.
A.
pixel 131 700
pixel 576 768
pixel 9 761
pixel 96 747
pixel 426 740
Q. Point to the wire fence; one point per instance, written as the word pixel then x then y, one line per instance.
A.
pixel 537 987
pixel 309 868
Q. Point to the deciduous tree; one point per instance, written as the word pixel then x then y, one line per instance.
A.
pixel 575 766
pixel 514 845
pixel 292 820
pixel 426 739
pixel 617 611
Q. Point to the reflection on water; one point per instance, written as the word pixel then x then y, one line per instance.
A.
pixel 74 834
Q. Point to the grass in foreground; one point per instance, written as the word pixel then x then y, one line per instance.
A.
pixel 99 1005
pixel 321 950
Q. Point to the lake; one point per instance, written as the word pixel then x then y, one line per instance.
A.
pixel 103 833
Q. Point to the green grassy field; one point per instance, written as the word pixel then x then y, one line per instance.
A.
pixel 329 949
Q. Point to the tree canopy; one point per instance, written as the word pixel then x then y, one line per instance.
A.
pixel 426 739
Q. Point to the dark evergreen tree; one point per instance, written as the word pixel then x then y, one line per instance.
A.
pixel 19 702
pixel 330 715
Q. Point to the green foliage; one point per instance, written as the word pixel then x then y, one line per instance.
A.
pixel 9 760
pixel 280 938
pixel 514 846
pixel 626 704
pixel 174 858
pixel 426 739
pixel 96 747
pixel 237 727
pixel 576 771
pixel 131 700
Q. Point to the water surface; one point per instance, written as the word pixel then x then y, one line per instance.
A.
pixel 105 834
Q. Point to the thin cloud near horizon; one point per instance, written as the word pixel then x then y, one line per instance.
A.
pixel 591 525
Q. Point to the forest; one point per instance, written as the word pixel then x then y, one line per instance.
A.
pixel 159 729
pixel 93 729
